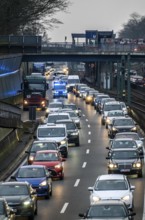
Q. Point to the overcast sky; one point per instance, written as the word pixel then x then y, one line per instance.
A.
pixel 102 15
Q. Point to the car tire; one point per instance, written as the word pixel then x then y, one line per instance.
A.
pixel 106 126
pixel 102 122
pixel 51 192
pixel 48 195
pixel 77 143
pixel 110 172
pixel 31 217
pixel 62 177
pixel 36 210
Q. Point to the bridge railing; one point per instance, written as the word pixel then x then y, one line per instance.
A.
pixel 82 47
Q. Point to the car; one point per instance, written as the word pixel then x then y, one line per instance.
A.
pixel 40 145
pixel 102 102
pixel 82 90
pixel 124 143
pixel 53 107
pixel 98 99
pixel 124 108
pixel 84 94
pixel 108 209
pixel 109 106
pixel 59 89
pixel 53 117
pixel 134 135
pixel 6 212
pixel 73 116
pixel 73 107
pixel 77 88
pixel 112 186
pixel 125 161
pixel 38 176
pixel 121 124
pixel 90 96
pixel 52 160
pixel 53 132
pixel 21 197
pixel 111 115
pixel 72 131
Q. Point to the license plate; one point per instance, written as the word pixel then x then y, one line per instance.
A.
pixel 125 170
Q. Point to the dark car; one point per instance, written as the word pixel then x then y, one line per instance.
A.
pixel 39 178
pixel 74 107
pixel 21 197
pixel 124 143
pixel 40 145
pixel 108 209
pixel 6 212
pixel 121 124
pixel 72 131
pixel 125 161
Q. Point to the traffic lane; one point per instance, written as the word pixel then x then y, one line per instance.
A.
pixel 81 170
pixel 90 113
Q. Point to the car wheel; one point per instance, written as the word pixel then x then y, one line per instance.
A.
pixel 77 143
pixel 110 172
pixel 106 126
pixel 31 217
pixel 51 191
pixel 102 122
pixel 62 176
pixel 48 195
pixel 36 210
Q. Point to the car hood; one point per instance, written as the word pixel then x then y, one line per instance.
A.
pixel 46 163
pixel 15 199
pixel 124 162
pixel 32 181
pixel 111 194
pixel 124 127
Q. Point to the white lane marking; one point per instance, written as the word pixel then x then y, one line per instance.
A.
pixel 86 119
pixel 64 208
pixel 84 164
pixel 89 133
pixel 87 151
pixel 89 141
pixel 83 115
pixel 77 183
pixel 88 126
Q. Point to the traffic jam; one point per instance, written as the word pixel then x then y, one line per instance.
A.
pixel 59 143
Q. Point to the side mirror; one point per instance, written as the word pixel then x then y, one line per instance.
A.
pixel 90 189
pixel 107 148
pixel 107 158
pixel 27 152
pixel 132 188
pixel 13 177
pixel 34 136
pixel 81 215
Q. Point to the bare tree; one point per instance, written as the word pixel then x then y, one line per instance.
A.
pixel 134 28
pixel 29 16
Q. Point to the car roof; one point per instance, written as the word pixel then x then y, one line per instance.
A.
pixel 111 177
pixel 47 151
pixel 125 149
pixel 57 113
pixel 108 201
pixel 32 166
pixel 113 103
pixel 52 125
pixel 15 183
pixel 65 121
pixel 43 141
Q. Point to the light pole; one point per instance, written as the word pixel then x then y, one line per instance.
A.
pixel 128 81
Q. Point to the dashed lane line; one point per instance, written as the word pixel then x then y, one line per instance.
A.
pixel 89 126
pixel 77 183
pixel 84 164
pixel 87 151
pixel 64 208
pixel 89 141
pixel 89 133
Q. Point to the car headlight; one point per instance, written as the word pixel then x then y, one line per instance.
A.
pixel 31 158
pixel 108 121
pixel 95 198
pixel 58 166
pixel 47 110
pixel 44 183
pixel 76 121
pixel 133 129
pixel 114 129
pixel 27 202
pixel 63 142
pixel 137 165
pixel 112 165
pixel 74 133
pixel 43 102
pixel 126 198
pixel 25 102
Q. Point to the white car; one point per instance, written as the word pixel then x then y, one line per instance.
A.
pixel 113 114
pixel 112 186
pixel 53 107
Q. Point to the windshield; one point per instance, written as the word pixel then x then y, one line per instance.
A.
pixel 73 81
pixel 107 211
pixel 43 146
pixel 36 86
pixel 51 132
pixel 112 114
pixel 73 107
pixel 124 144
pixel 123 122
pixel 31 172
pixel 72 114
pixel 46 156
pixel 127 155
pixel 133 136
pixel 63 87
pixel 112 107
pixel 55 105
pixel 70 126
pixel 13 190
pixel 54 118
pixel 111 185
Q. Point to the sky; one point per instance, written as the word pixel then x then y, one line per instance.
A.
pixel 101 15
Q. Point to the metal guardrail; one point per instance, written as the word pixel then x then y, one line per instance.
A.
pixel 10 116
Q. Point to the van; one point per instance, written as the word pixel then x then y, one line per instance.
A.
pixel 72 81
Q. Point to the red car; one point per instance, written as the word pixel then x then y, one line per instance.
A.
pixel 52 160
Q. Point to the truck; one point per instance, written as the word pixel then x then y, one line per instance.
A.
pixel 34 92
pixel 72 81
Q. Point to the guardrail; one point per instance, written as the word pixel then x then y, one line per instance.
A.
pixel 10 116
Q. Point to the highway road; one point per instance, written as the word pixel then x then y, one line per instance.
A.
pixel 84 164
